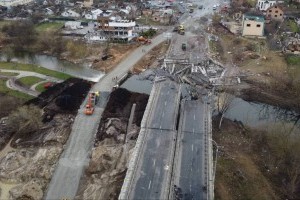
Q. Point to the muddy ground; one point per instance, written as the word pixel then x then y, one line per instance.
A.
pixel 116 52
pixel 151 59
pixel 104 176
pixel 27 161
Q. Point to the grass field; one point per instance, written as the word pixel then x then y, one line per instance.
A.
pixel 29 80
pixel 49 26
pixel 3 23
pixel 8 74
pixel 40 87
pixel 33 68
pixel 9 92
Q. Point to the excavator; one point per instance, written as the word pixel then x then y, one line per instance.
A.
pixel 143 40
pixel 92 101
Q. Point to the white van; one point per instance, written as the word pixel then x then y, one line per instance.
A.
pixel 215 7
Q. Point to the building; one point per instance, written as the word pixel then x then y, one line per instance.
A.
pixel 263 5
pixel 9 3
pixel 88 3
pixel 118 30
pixel 70 13
pixel 275 13
pixel 253 25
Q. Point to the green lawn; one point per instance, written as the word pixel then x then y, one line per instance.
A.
pixel 4 22
pixel 8 74
pixel 294 27
pixel 33 68
pixel 7 91
pixel 29 80
pixel 49 26
pixel 293 60
pixel 40 87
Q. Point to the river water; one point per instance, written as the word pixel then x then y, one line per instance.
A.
pixel 262 116
pixel 256 115
pixel 50 62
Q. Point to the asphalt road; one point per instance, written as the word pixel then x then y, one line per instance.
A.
pixel 189 173
pixel 65 180
pixel 152 175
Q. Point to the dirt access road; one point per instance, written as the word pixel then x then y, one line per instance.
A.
pixel 65 180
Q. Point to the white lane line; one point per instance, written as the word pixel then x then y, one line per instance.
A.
pixel 149 185
pixel 194 117
pixel 154 162
pixel 192 147
pixel 193 130
pixel 160 127
pixel 163 114
pixel 165 103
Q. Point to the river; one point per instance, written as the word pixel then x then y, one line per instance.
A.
pixel 50 62
pixel 256 115
pixel 263 116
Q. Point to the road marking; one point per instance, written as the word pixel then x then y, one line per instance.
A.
pixel 149 185
pixel 194 117
pixel 163 114
pixel 165 103
pixel 193 130
pixel 154 162
pixel 168 92
pixel 160 127
pixel 192 147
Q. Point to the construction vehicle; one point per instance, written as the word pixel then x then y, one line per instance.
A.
pixel 179 29
pixel 183 46
pixel 143 40
pixel 92 101
pixel 48 85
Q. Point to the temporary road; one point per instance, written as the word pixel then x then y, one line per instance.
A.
pixel 65 180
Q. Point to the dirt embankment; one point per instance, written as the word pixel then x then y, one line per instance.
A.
pixel 152 58
pixel 254 164
pixel 115 54
pixel 104 176
pixel 28 161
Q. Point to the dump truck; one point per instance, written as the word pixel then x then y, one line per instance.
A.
pixel 93 98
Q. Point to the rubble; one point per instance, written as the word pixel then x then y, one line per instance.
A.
pixel 104 176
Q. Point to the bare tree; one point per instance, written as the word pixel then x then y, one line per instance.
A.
pixel 25 119
pixel 224 103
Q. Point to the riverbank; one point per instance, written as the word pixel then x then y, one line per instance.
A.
pixel 255 164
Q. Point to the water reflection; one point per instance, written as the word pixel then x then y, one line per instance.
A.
pixel 262 115
pixel 51 62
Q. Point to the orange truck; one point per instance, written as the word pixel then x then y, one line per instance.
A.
pixel 143 40
pixel 92 101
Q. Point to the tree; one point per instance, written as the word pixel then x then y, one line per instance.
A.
pixel 21 34
pixel 224 103
pixel 25 119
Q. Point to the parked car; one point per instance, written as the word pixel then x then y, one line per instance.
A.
pixel 201 7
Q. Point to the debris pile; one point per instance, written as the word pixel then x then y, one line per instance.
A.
pixel 104 176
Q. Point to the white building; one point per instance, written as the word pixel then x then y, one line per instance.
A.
pixel 70 13
pixel 73 25
pixel 263 5
pixel 121 30
pixel 9 3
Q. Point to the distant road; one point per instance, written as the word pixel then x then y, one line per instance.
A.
pixel 65 180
